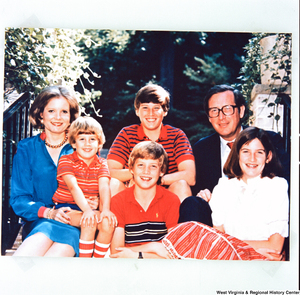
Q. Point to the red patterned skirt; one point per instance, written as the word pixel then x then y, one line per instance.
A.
pixel 200 241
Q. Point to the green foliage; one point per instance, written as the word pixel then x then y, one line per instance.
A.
pixel 108 67
pixel 194 124
pixel 36 58
pixel 280 54
pixel 251 65
pixel 126 63
pixel 209 71
pixel 135 58
pixel 26 63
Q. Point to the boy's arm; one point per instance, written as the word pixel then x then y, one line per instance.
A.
pixel 116 171
pixel 105 197
pixel 149 250
pixel 186 171
pixel 118 240
pixel 76 192
pixel 152 250
pixel 104 193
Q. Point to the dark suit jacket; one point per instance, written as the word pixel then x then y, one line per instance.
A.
pixel 208 160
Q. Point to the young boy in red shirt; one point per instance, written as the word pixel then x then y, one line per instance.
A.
pixel 81 176
pixel 152 104
pixel 145 211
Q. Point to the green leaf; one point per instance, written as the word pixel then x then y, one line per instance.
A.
pixel 275 77
pixel 277 117
pixel 278 100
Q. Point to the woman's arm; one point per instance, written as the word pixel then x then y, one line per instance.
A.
pixel 22 186
pixel 270 248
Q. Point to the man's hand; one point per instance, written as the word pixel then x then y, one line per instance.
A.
pixel 205 195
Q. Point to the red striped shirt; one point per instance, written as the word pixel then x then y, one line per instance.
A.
pixel 87 177
pixel 200 241
pixel 174 141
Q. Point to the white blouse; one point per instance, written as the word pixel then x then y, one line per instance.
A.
pixel 252 211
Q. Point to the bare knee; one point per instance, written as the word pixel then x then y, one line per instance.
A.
pixel 87 233
pixel 181 189
pixel 36 245
pixel 116 186
pixel 106 227
pixel 60 250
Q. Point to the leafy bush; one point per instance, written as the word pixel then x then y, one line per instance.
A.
pixel 280 54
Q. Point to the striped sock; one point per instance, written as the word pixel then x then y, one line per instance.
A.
pixel 86 248
pixel 100 249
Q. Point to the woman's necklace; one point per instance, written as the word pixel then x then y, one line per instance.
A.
pixel 58 145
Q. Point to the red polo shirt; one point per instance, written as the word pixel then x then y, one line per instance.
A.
pixel 145 226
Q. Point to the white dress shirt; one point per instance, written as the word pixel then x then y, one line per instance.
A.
pixel 251 211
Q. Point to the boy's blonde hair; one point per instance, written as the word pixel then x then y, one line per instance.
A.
pixel 86 125
pixel 149 150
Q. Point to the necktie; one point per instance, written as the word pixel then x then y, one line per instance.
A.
pixel 230 144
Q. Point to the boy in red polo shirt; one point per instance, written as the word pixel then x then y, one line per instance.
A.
pixel 151 106
pixel 145 211
pixel 81 176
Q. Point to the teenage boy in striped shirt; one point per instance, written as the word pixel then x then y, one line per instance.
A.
pixel 151 106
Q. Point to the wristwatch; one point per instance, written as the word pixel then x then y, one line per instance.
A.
pixel 140 255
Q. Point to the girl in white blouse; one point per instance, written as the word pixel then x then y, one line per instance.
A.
pixel 252 204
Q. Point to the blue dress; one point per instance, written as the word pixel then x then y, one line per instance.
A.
pixel 33 184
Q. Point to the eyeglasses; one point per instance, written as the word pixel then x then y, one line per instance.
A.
pixel 227 110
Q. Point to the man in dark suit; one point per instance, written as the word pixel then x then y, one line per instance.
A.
pixel 225 108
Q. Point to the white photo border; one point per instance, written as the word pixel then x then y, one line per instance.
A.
pixel 66 275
